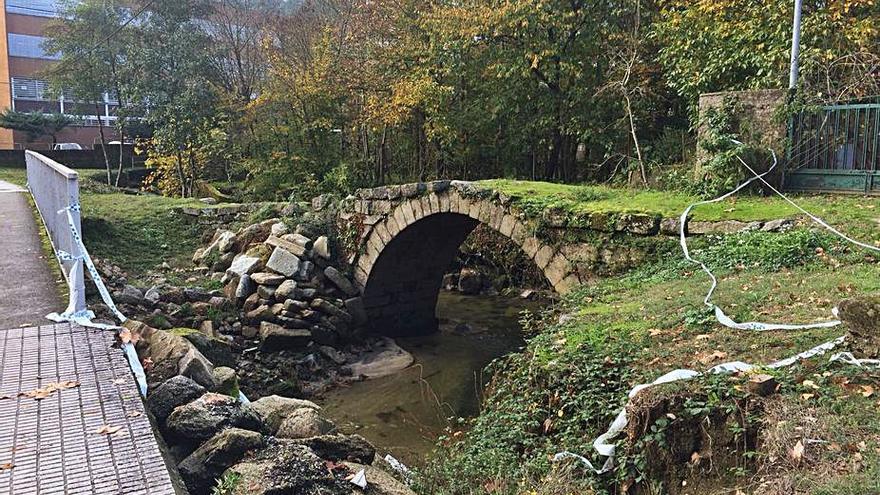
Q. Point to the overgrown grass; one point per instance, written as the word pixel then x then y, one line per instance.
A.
pixel 564 389
pixel 138 232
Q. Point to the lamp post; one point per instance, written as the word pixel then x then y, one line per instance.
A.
pixel 795 45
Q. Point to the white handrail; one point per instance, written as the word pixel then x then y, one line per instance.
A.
pixel 55 188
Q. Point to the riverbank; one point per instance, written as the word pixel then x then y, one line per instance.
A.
pixel 816 432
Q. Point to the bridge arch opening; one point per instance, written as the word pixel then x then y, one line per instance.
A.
pixel 412 247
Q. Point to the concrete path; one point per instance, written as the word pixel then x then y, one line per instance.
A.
pixel 71 417
pixel 29 289
pixel 90 434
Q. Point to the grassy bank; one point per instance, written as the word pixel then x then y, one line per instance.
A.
pixel 854 213
pixel 135 232
pixel 583 357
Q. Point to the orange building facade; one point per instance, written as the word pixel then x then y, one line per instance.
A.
pixel 24 88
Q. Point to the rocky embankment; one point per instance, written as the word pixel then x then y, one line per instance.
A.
pixel 272 445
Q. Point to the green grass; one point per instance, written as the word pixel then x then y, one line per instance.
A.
pixel 135 232
pixel 138 232
pixel 562 391
pixel 847 211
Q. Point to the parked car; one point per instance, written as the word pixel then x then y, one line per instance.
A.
pixel 67 146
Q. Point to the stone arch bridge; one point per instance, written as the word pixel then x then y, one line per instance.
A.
pixel 400 240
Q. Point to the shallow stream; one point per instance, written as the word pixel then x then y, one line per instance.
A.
pixel 405 413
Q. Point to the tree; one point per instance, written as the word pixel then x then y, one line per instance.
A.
pixel 35 124
pixel 94 42
pixel 739 44
pixel 172 75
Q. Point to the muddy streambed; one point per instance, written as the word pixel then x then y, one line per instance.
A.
pixel 404 413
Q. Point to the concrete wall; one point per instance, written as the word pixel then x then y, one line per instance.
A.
pixel 758 122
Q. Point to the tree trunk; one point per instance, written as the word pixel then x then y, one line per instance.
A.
pixel 121 146
pixel 635 138
pixel 103 141
pixel 180 176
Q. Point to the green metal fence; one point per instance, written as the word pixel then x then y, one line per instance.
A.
pixel 835 148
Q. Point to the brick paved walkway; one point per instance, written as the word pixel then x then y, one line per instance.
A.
pixel 53 445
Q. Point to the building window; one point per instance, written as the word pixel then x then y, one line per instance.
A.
pixel 27 46
pixel 33 95
pixel 39 8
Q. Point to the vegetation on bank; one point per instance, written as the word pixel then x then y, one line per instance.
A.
pixel 135 232
pixel 856 214
pixel 563 390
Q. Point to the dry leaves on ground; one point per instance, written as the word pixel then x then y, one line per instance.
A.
pixel 44 392
pixel 6 466
pixel 108 430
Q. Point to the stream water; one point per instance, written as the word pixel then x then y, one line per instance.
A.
pixel 403 414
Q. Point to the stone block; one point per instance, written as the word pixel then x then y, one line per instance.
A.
pixel 289 246
pixel 340 281
pixel 543 256
pixel 264 278
pixel 283 262
pixel 277 338
pixel 243 265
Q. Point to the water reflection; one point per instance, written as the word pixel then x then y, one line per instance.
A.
pixel 404 413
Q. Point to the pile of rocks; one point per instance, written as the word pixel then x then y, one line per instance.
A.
pixel 272 445
pixel 286 286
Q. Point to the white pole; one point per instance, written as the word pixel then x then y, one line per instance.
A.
pixel 795 45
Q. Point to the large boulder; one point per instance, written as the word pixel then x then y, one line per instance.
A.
pixel 195 365
pixel 340 447
pixel 207 463
pixel 273 409
pixel 164 350
pixel 304 422
pixel 286 468
pixel 206 416
pixel 176 391
pixel 218 351
pixel 862 318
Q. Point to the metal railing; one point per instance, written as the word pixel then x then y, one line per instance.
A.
pixel 835 147
pixel 55 188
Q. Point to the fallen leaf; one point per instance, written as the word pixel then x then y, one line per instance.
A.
pixel 6 466
pixel 797 453
pixel 119 381
pixel 126 336
pixel 867 390
pixel 714 356
pixel 108 430
pixel 810 384
pixel 133 414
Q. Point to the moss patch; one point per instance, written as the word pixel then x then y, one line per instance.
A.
pixel 854 213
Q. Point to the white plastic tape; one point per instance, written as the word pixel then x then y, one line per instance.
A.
pixel 603 444
pixel 84 317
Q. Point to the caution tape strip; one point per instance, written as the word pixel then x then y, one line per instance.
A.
pixel 84 317
pixel 603 444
